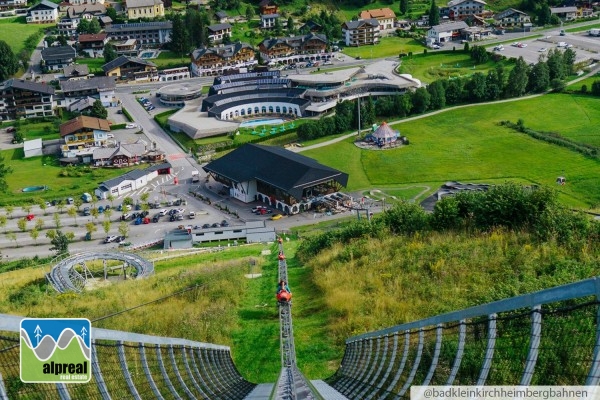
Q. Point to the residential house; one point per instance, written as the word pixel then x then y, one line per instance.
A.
pixel 12 4
pixel 81 135
pixel 105 21
pixel 81 2
pixel 93 43
pixel 33 148
pixel 216 60
pixel 127 48
pixel 268 7
pixel 144 9
pixel 218 32
pixel 311 26
pixel 267 21
pixel 446 32
pixel 146 33
pixel 25 99
pixel 278 49
pixel 564 13
pixel 385 16
pixel 511 17
pixel 131 68
pixel 98 87
pixel 360 33
pixel 44 12
pixel 124 155
pixel 75 72
pixel 222 17
pixel 132 180
pixel 67 26
pixel 57 57
pixel 461 9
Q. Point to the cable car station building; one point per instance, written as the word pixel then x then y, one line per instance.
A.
pixel 284 180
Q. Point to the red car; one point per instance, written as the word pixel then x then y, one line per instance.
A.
pixel 30 217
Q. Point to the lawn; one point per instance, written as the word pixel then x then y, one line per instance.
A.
pixel 94 64
pixel 432 66
pixel 34 130
pixel 46 170
pixel 468 145
pixel 15 31
pixel 587 81
pixel 388 47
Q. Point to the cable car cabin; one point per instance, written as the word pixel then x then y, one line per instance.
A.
pixel 281 255
pixel 284 296
pixel 279 240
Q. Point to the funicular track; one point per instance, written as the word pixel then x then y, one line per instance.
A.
pixel 291 383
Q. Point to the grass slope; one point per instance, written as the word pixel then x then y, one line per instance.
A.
pixel 15 31
pixel 468 145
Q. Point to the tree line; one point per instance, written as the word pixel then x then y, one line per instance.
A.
pixel 549 72
pixel 533 210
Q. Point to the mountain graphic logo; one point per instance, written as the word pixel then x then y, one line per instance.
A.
pixel 56 350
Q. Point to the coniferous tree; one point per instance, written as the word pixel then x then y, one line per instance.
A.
pixel 434 14
pixel 403 6
pixel 517 79
pixel 539 77
pixel 179 37
pixel 9 64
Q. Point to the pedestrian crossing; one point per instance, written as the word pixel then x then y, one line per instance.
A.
pixel 176 156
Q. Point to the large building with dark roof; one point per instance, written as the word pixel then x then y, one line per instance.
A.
pixel 283 49
pixel 25 99
pixel 131 68
pixel 57 57
pixel 219 60
pixel 278 177
pixel 145 33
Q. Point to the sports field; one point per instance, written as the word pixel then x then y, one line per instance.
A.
pixel 468 145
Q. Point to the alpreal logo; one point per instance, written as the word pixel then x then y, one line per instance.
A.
pixel 56 350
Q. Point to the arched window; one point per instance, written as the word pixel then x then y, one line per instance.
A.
pixel 237 113
pixel 249 111
pixel 264 109
pixel 243 112
pixel 255 110
pixel 284 109
pixel 277 109
pixel 270 109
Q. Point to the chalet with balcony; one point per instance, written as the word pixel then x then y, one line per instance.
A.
pixel 216 60
pixel 268 7
pixel 222 17
pixel 93 44
pixel 218 32
pixel 82 134
pixel 124 155
pixel 146 33
pixel 511 18
pixel 57 57
pixel 25 99
pixel 126 48
pixel 12 4
pixel 461 9
pixel 131 68
pixel 385 16
pixel 137 9
pixel 98 87
pixel 311 26
pixel 564 13
pixel 275 49
pixel 268 21
pixel 361 33
pixel 67 26
pixel 44 12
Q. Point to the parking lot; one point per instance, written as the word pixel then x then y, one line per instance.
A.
pixel 586 47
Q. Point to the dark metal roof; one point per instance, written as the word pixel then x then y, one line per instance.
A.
pixel 98 82
pixel 248 76
pixel 122 60
pixel 250 95
pixel 358 24
pixel 275 166
pixel 219 27
pixel 26 85
pixel 139 26
pixel 44 4
pixel 156 167
pixel 216 110
pixel 129 176
pixel 58 53
pixel 295 42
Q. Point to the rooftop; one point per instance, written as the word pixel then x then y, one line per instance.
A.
pixel 142 3
pixel 26 85
pixel 81 122
pixel 98 82
pixel 378 13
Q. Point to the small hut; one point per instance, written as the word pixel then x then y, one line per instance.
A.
pixel 384 135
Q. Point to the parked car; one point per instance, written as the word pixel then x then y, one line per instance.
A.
pixel 258 208
pixel 110 239
pixel 224 223
pixel 205 226
pixel 70 200
pixel 144 214
pixel 163 212
pixel 264 211
pixel 192 215
pixel 86 211
pixel 179 217
pixel 180 210
pixel 29 217
pixel 276 217
pixel 131 126
pixel 120 239
pixel 170 203
pixel 216 225
pixel 125 217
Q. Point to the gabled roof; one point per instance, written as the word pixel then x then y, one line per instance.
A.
pixel 26 85
pixel 265 3
pixel 122 60
pixel 78 11
pixel 129 176
pixel 91 37
pixel 219 27
pixel 377 13
pixel 310 24
pixel 44 4
pixel 58 53
pixel 224 52
pixel 221 14
pixel 450 26
pixel 83 121
pixel 362 23
pixel 559 10
pixel 507 12
pixel 295 42
pixel 142 3
pixel 98 82
pixel 278 167
pixel 76 70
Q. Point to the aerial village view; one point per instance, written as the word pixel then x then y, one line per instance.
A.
pixel 416 182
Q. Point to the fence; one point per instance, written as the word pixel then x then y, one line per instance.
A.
pixel 129 365
pixel 551 337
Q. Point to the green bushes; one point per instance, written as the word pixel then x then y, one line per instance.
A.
pixel 114 127
pixel 509 207
pixel 126 114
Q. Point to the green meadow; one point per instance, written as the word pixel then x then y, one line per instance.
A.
pixel 467 144
pixel 14 31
